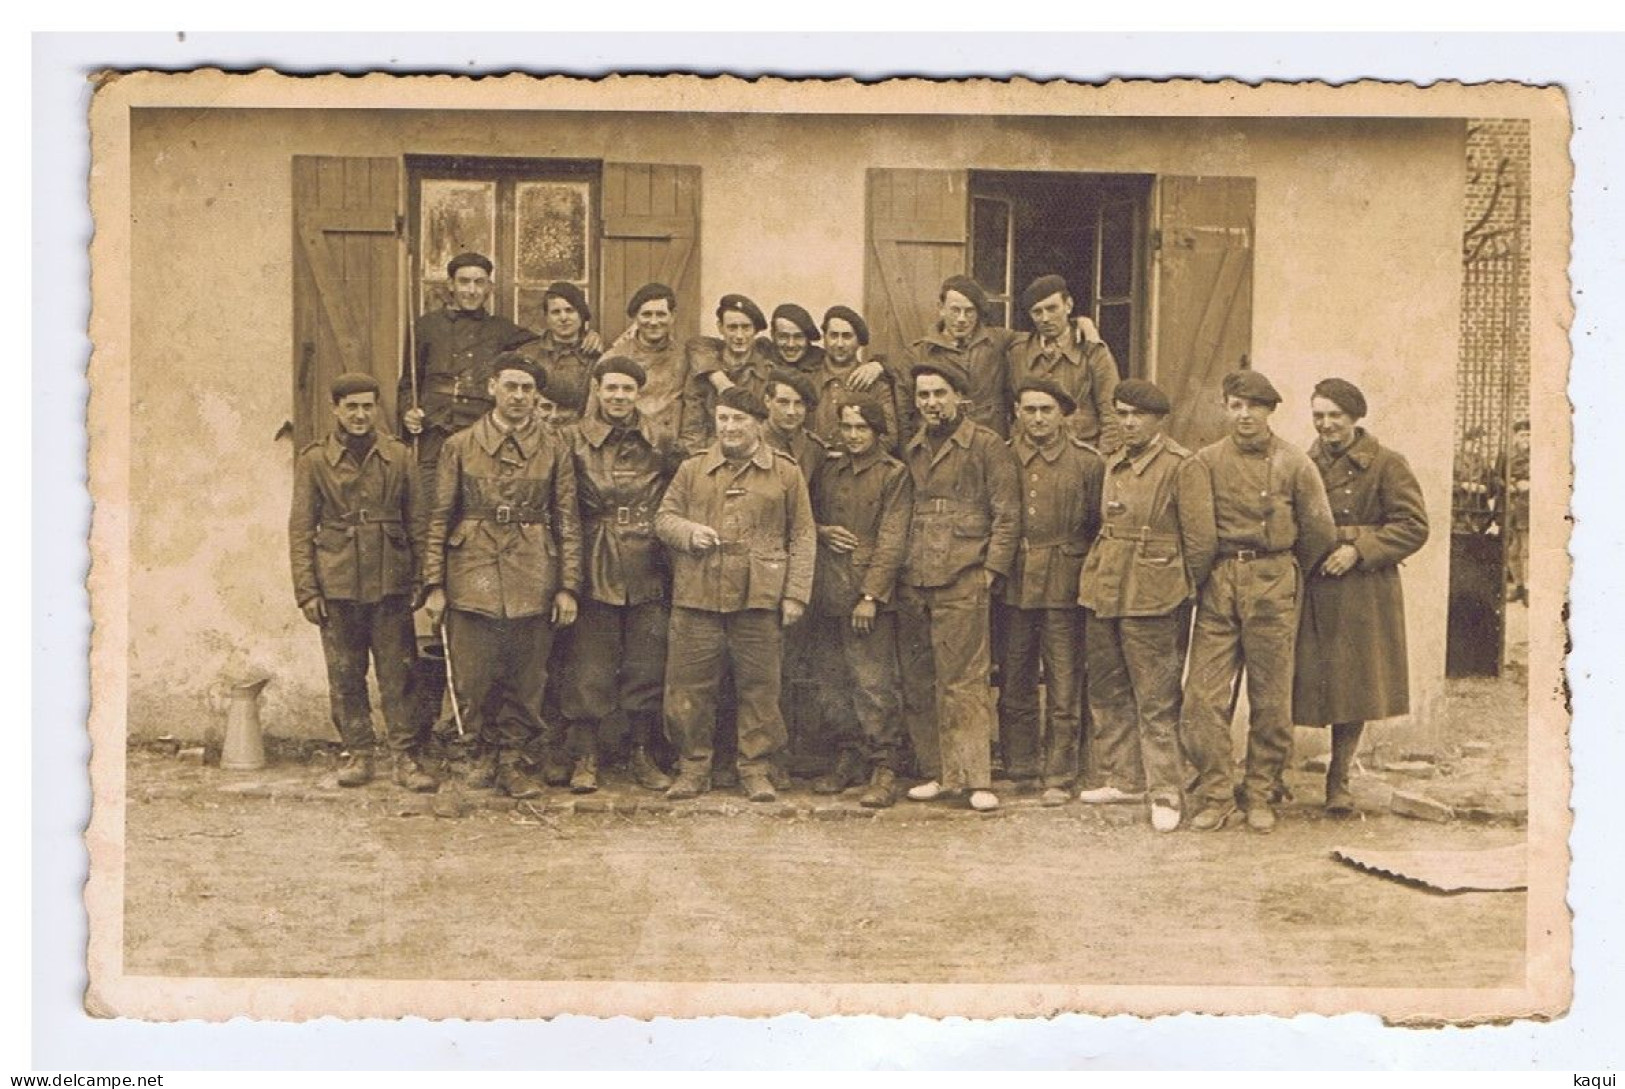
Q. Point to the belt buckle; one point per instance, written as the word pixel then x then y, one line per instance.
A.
pixel 1246 555
pixel 623 516
pixel 361 516
pixel 504 514
pixel 941 505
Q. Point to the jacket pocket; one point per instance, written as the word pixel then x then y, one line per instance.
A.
pixel 973 525
pixel 333 538
pixel 768 571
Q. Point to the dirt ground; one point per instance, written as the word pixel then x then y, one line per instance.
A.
pixel 279 873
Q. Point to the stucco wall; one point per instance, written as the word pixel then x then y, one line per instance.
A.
pixel 1357 273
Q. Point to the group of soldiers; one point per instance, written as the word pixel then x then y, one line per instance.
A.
pixel 706 535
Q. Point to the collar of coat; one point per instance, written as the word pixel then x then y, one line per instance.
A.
pixel 1027 449
pixel 1361 452
pixel 490 435
pixel 333 448
pixel 459 314
pixel 962 434
pixel 1138 464
pixel 941 339
pixel 595 429
pixel 713 458
pixel 859 462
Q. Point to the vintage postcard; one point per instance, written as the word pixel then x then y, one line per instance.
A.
pixel 670 546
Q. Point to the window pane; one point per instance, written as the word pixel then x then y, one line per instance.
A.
pixel 552 222
pixel 1117 330
pixel 1116 250
pixel 457 216
pixel 990 243
pixel 530 310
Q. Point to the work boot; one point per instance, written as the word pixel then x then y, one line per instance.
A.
pixel 1260 817
pixel 882 790
pixel 1345 743
pixel 410 774
pixel 645 772
pixel 1213 816
pixel 514 779
pixel 779 775
pixel 689 784
pixel 482 770
pixel 584 778
pixel 847 772
pixel 357 770
pixel 757 785
pixel 556 769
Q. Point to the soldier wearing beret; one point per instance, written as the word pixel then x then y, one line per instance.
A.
pixel 1060 496
pixel 1351 664
pixel 739 528
pixel 355 554
pixel 649 342
pixel 1071 355
pixel 1271 523
pixel 617 650
pixel 793 337
pixel 863 503
pixel 1153 554
pixel 963 535
pixel 567 350
pixel 733 358
pixel 837 382
pixel 504 556
pixel 443 390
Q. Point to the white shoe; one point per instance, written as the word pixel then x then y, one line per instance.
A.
pixel 1164 818
pixel 925 792
pixel 983 801
pixel 1109 795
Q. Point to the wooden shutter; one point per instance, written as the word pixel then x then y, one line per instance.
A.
pixel 651 232
pixel 1204 313
pixel 346 283
pixel 917 239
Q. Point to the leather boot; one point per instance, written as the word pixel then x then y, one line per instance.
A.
pixel 882 790
pixel 847 772
pixel 1345 743
pixel 410 774
pixel 358 772
pixel 482 770
pixel 514 779
pixel 584 777
pixel 645 772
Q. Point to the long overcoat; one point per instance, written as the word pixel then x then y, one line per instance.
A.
pixel 1351 639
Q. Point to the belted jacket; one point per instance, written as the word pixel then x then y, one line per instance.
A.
pixel 1268 497
pixel 761 510
pixel 1084 367
pixel 353 531
pixel 622 471
pixel 454 349
pixel 1156 541
pixel 504 535
pixel 967 506
pixel 872 496
pixel 1060 494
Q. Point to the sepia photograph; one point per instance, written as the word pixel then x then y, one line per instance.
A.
pixel 674 546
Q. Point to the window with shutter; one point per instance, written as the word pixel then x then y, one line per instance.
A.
pixel 651 233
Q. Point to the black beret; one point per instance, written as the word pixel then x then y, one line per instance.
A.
pixel 741 400
pixel 516 361
pixel 797 382
pixel 1143 395
pixel 353 382
pixel 968 288
pixel 571 294
pixel 619 364
pixel 792 313
pixel 1049 386
pixel 1041 289
pixel 1251 385
pixel 872 414
pixel 949 371
pixel 745 307
pixel 464 260
pixel 852 318
pixel 1345 395
pixel 648 293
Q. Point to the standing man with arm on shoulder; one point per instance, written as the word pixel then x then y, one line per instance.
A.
pixel 963 536
pixel 649 343
pixel 1152 556
pixel 836 377
pixel 734 357
pixel 354 549
pixel 1271 524
pixel 567 350
pixel 1070 355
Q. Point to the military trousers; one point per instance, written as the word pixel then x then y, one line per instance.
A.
pixel 487 652
pixel 701 648
pixel 947 703
pixel 1134 665
pixel 353 632
pixel 617 658
pixel 1246 617
pixel 1053 637
pixel 865 678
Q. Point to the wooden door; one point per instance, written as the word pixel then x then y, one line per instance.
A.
pixel 651 232
pixel 916 239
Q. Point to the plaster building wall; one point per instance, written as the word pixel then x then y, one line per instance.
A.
pixel 1357 273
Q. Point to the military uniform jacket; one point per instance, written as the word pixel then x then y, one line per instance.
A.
pixel 705 358
pixel 353 529
pixel 504 535
pixel 1268 498
pixel 967 506
pixel 621 476
pixel 569 371
pixel 985 359
pixel 763 515
pixel 810 452
pixel 1156 540
pixel 1086 370
pixel 829 381
pixel 660 401
pixel 873 497
pixel 1060 491
pixel 454 353
pixel 809 362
